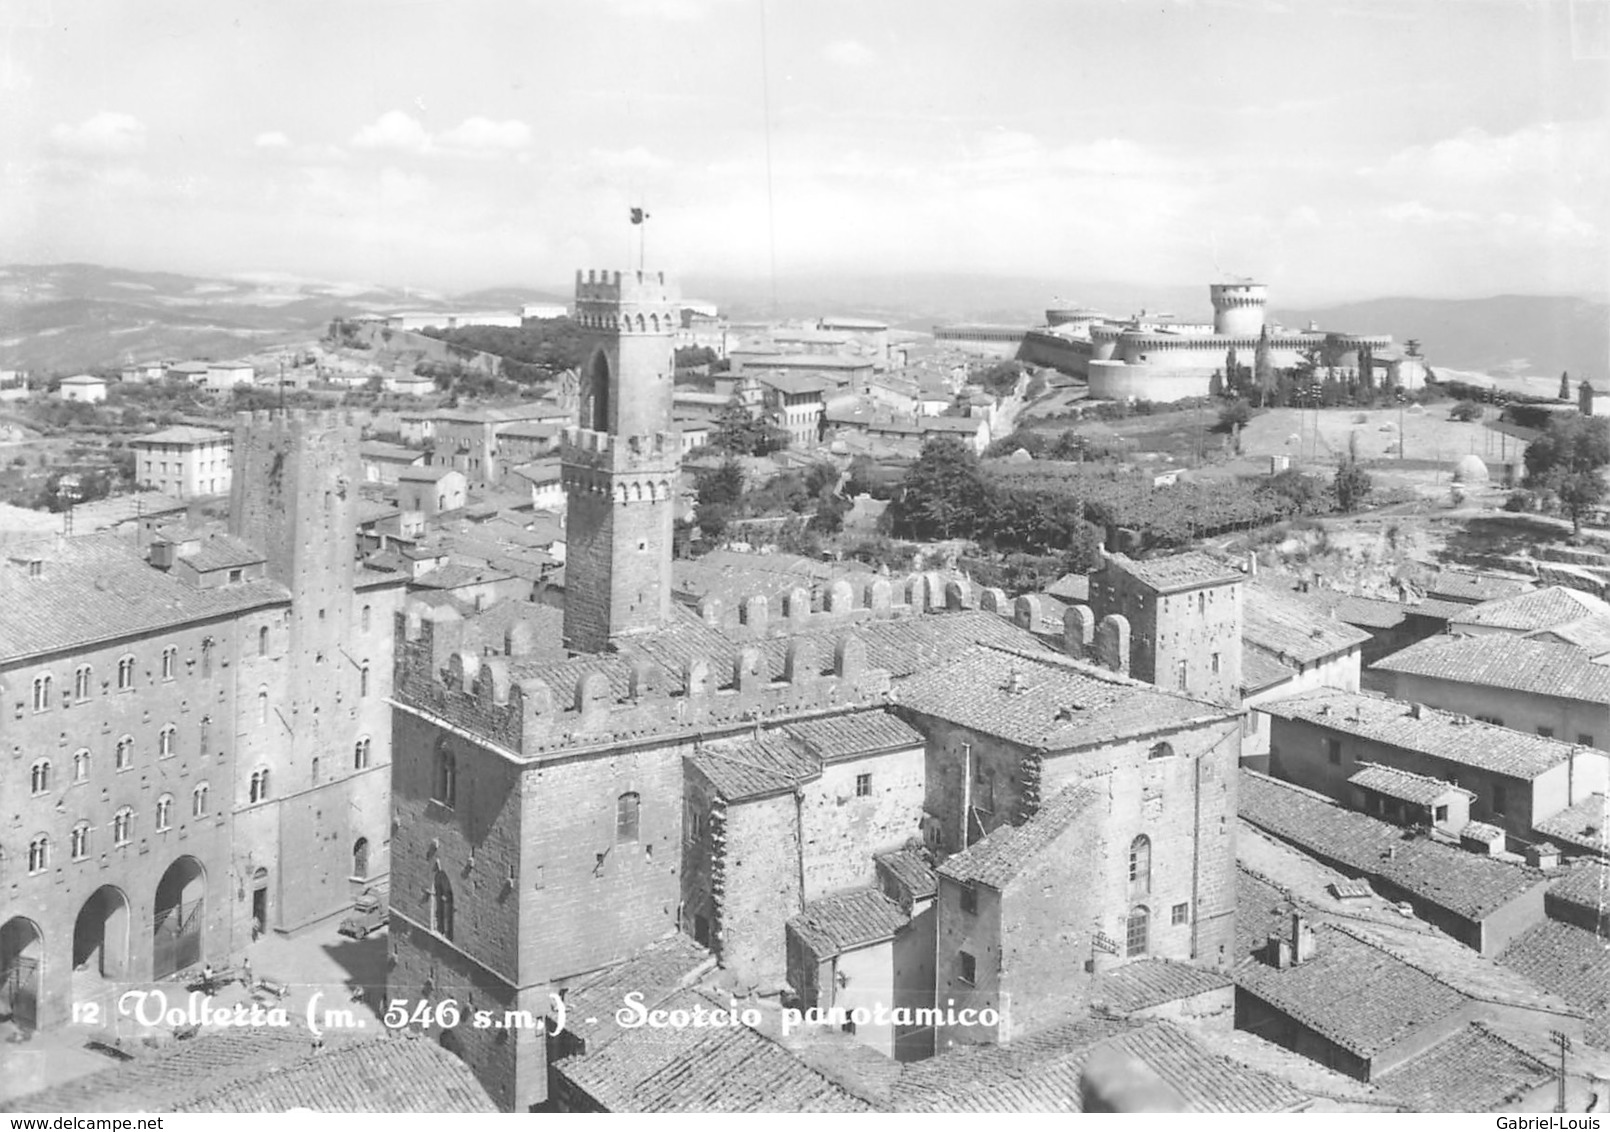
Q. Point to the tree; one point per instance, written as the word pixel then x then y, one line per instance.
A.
pixel 722 486
pixel 1234 415
pixel 1216 384
pixel 944 493
pixel 1567 460
pixel 1465 411
pixel 1565 386
pixel 1263 372
pixel 1353 486
pixel 1584 398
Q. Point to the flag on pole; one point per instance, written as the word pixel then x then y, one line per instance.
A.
pixel 638 216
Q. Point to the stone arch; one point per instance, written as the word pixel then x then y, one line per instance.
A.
pixel 1026 613
pixel 1078 630
pixel 697 677
pixel 178 913
pixel 993 600
pixel 595 390
pixel 492 681
pixel 22 969
pixel 101 933
pixel 642 323
pixel 462 669
pixel 840 596
pixel 1112 643
pixel 797 604
pixel 520 639
pixel 849 658
pixel 593 692
pixel 645 678
pixel 799 663
pixel 880 596
pixel 653 322
pixel 958 594
pixel 749 669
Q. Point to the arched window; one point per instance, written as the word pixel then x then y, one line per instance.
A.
pixel 198 801
pixel 360 754
pixel 81 765
pixel 626 818
pixel 203 734
pixel 42 692
pixel 262 705
pixel 81 682
pixel 80 841
pixel 125 674
pixel 262 641
pixel 170 662
pixel 165 741
pixel 363 680
pixel 315 770
pixel 39 777
pixel 125 752
pixel 1140 865
pixel 259 785
pixel 38 854
pixel 441 909
pixel 164 812
pixel 1138 931
pixel 123 826
pixel 446 784
pixel 360 858
pixel 366 619
pixel 1161 751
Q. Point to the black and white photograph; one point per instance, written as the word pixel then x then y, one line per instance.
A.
pixel 804 556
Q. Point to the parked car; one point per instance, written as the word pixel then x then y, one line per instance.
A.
pixel 368 914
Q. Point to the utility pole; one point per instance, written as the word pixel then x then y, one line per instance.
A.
pixel 1564 1043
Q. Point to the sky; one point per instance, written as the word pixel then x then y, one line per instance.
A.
pixel 1335 149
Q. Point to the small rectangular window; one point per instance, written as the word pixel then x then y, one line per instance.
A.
pixel 1180 674
pixel 969 972
pixel 969 899
pixel 1500 803
pixel 1546 732
pixel 1333 751
pixel 1440 814
pixel 1181 914
pixel 863 785
pixel 1585 740
pixel 1215 663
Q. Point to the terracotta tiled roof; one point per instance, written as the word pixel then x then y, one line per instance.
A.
pixel 1451 878
pixel 1400 784
pixel 424 475
pixel 1456 739
pixel 1152 982
pixel 1363 612
pixel 1540 609
pixel 1000 856
pixel 745 769
pixel 1260 671
pixel 1057 703
pixel 702 1069
pixel 1070 588
pixel 1474 1070
pixel 1173 572
pixel 1502 661
pixel 97 588
pixel 1041 1072
pixel 1352 993
pixel 1572 962
pixel 392 1074
pixel 912 869
pixel 1465 586
pixel 657 971
pixel 1585 825
pixel 187 1070
pixel 182 434
pixel 1591 635
pixel 845 921
pixel 1291 630
pixel 220 552
pixel 832 737
pixel 1586 889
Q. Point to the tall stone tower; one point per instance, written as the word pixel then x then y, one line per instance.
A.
pixel 1239 309
pixel 620 466
pixel 312 690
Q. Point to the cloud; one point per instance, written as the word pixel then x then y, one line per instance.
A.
pixel 273 139
pixel 397 132
pixel 618 160
pixel 107 134
pixel 849 53
pixel 393 130
pixel 484 135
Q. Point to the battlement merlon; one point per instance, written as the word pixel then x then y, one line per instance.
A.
pixel 626 287
pixel 599 451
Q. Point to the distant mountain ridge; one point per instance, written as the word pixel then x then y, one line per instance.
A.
pixel 76 316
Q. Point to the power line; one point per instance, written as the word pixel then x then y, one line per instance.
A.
pixel 765 104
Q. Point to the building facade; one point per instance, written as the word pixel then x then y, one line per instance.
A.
pixel 184 461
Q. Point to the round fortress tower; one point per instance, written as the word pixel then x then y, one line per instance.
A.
pixel 1239 308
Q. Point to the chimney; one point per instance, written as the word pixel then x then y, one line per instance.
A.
pixel 1416 710
pixel 1543 855
pixel 163 552
pixel 1303 945
pixel 1252 563
pixel 1277 953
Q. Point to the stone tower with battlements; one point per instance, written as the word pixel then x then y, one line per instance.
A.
pixel 620 465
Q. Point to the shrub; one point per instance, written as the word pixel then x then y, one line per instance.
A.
pixel 1465 411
